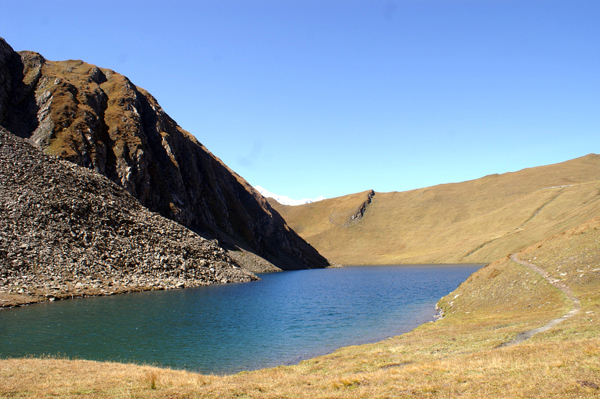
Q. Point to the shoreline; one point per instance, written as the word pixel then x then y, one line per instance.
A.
pixel 426 314
pixel 9 300
pixel 14 300
pixel 374 341
pixel 458 355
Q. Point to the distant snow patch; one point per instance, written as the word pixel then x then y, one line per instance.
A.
pixel 282 199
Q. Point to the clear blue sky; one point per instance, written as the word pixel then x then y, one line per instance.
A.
pixel 309 98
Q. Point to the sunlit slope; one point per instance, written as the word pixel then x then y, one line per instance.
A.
pixel 475 221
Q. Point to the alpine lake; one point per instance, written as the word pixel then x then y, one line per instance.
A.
pixel 221 329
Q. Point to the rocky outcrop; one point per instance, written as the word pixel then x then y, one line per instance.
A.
pixel 360 212
pixel 98 119
pixel 68 231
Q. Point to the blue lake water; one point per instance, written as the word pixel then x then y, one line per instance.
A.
pixel 282 319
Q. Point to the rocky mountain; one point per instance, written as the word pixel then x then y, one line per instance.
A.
pixel 475 221
pixel 99 119
pixel 67 231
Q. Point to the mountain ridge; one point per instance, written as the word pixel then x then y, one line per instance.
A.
pixel 476 221
pixel 98 119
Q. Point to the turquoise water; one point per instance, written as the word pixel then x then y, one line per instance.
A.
pixel 282 319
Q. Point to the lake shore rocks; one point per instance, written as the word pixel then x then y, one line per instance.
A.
pixel 67 231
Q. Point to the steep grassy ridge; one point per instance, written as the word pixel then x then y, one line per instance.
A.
pixel 476 221
pixel 460 355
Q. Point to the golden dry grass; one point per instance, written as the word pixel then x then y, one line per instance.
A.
pixel 477 221
pixel 457 356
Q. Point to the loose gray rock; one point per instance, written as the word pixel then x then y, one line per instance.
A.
pixel 68 231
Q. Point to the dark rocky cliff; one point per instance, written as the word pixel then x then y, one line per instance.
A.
pixel 98 119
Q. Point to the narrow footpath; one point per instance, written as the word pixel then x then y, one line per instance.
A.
pixel 556 283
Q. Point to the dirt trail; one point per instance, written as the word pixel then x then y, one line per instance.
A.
pixel 566 290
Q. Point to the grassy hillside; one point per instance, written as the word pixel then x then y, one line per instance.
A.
pixel 476 221
pixel 460 355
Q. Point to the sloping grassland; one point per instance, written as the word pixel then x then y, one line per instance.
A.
pixel 461 355
pixel 476 221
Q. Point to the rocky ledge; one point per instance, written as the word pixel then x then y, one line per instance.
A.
pixel 67 231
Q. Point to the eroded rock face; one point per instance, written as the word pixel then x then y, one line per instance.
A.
pixel 68 231
pixel 98 119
